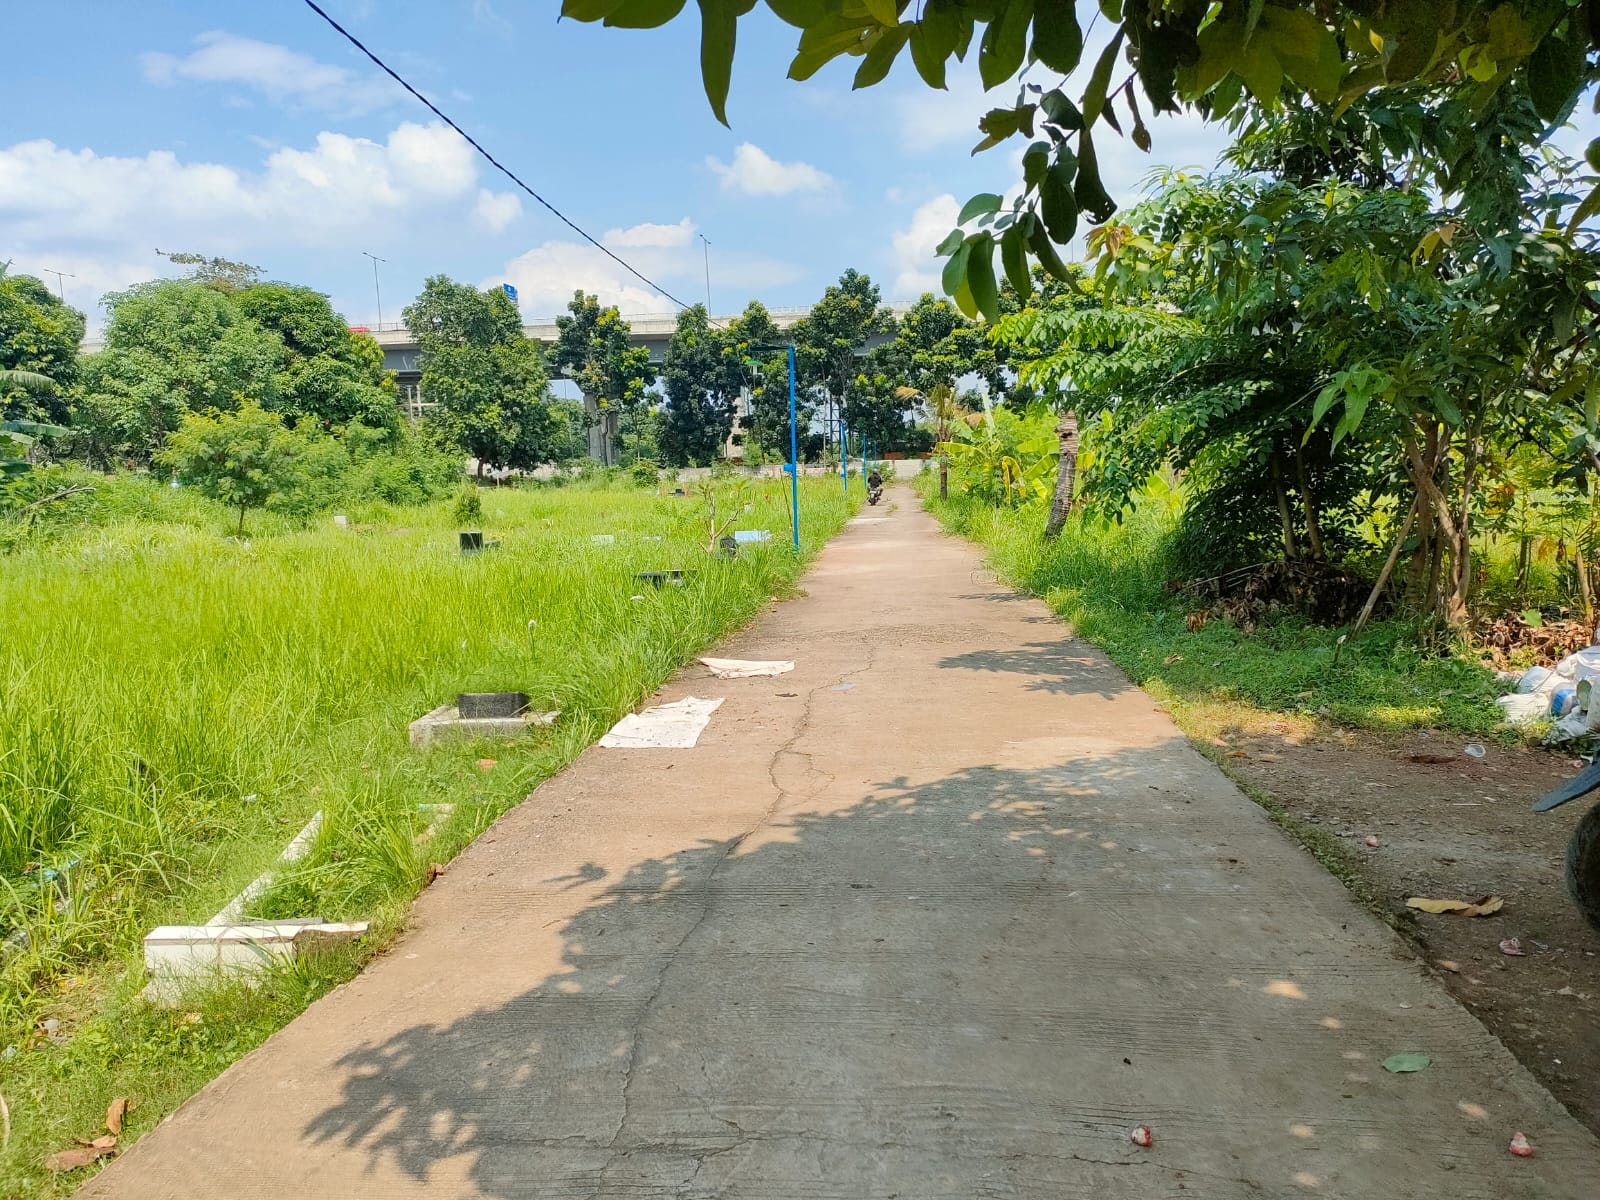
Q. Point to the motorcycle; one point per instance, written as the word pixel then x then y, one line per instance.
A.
pixel 874 492
pixel 1583 851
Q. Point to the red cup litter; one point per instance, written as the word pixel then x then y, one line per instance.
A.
pixel 1519 1145
pixel 1143 1137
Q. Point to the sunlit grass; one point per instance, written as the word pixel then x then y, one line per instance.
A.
pixel 174 705
pixel 1109 582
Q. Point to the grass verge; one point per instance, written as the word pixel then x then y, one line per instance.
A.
pixel 174 705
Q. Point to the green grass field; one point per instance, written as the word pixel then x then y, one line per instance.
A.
pixel 1109 582
pixel 175 704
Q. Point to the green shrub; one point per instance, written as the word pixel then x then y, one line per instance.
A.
pixel 645 473
pixel 468 508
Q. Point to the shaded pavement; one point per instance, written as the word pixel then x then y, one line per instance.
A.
pixel 943 913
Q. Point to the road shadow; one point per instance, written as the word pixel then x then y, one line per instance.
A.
pixel 778 1009
pixel 1060 668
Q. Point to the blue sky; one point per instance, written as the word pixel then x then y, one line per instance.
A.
pixel 255 132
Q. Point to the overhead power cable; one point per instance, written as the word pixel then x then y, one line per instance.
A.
pixel 473 142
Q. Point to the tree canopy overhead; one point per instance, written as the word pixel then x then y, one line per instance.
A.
pixel 1159 56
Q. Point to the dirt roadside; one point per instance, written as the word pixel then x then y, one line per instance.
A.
pixel 1460 828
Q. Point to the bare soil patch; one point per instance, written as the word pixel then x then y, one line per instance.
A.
pixel 1455 827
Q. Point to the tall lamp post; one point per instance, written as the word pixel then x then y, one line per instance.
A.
pixel 375 289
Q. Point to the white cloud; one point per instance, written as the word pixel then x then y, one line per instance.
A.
pixel 754 172
pixel 651 236
pixel 914 246
pixel 282 74
pixel 341 184
pixel 546 275
pixel 102 216
pixel 496 210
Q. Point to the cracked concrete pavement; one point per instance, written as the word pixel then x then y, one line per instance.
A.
pixel 945 912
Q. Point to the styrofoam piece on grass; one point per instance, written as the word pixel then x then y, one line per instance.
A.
pixel 603 539
pixel 178 957
pixel 445 723
pixel 745 536
pixel 745 668
pixel 293 852
pixel 675 726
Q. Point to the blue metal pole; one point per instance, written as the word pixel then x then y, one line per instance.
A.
pixel 794 454
pixel 863 456
pixel 844 458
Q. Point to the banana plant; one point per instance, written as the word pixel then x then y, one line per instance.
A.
pixel 19 435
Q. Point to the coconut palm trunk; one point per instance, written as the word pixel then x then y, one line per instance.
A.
pixel 1066 475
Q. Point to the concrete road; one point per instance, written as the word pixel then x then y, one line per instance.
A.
pixel 946 912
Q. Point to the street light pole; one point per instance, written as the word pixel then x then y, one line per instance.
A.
pixel 376 291
pixel 794 454
pixel 60 275
pixel 707 247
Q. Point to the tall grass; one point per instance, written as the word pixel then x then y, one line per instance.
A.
pixel 1109 581
pixel 175 704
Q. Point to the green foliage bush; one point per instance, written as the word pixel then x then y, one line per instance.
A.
pixel 467 511
pixel 645 473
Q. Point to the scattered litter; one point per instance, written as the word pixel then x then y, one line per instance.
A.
pixel 1520 1145
pixel 1405 1064
pixel 635 597
pixel 52 1030
pixel 1142 1136
pixel 1513 947
pixel 1171 658
pixel 1486 906
pixel 787 695
pixel 1372 841
pixel 1522 709
pixel 674 726
pixel 842 687
pixel 342 521
pixel 1475 750
pixel 741 668
pixel 603 539
pixel 487 764
pixel 745 536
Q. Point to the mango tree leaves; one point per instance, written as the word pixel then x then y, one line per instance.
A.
pixel 1057 38
pixel 1332 51
pixel 881 56
pixel 719 20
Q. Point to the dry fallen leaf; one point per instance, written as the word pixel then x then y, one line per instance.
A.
pixel 486 764
pixel 1171 658
pixel 1485 907
pixel 79 1156
pixel 434 871
pixel 1448 965
pixel 114 1114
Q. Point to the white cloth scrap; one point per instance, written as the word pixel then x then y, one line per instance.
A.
pixel 675 726
pixel 744 668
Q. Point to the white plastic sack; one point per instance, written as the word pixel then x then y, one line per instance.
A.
pixel 675 726
pixel 1584 664
pixel 1533 680
pixel 744 668
pixel 1522 709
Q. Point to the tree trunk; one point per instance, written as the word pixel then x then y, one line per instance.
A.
pixel 1447 595
pixel 944 479
pixel 1066 475
pixel 1388 568
pixel 241 520
pixel 1309 503
pixel 1291 550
